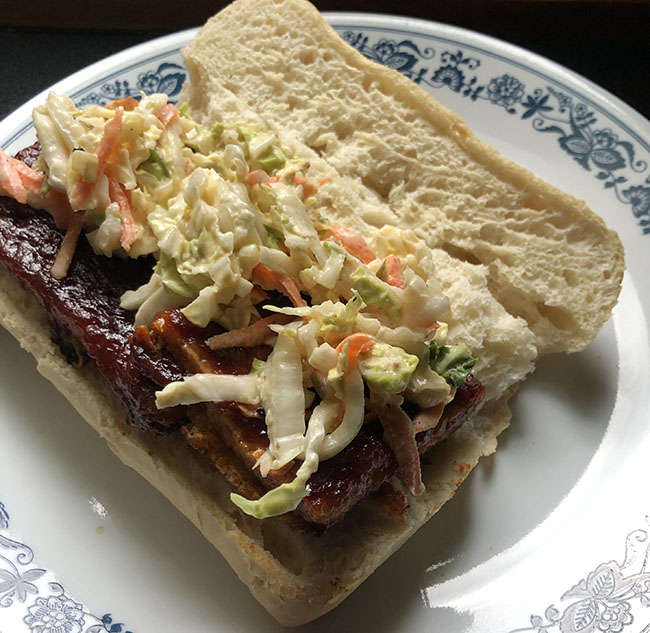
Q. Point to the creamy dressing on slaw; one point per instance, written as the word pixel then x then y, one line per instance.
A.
pixel 224 210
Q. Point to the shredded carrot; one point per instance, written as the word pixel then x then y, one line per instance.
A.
pixel 60 208
pixel 265 275
pixel 257 177
pixel 168 114
pixel 249 336
pixel 395 271
pixel 64 257
pixel 32 180
pixel 324 181
pixel 258 295
pixel 288 287
pixel 281 283
pixel 353 243
pixel 19 180
pixel 128 103
pixel 272 179
pixel 10 180
pixel 356 344
pixel 357 339
pixel 82 190
pixel 309 189
pixel 109 140
pixel 297 181
pixel 119 194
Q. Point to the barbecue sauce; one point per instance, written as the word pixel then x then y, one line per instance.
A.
pixel 84 305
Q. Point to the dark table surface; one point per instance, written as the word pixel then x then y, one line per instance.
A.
pixel 607 42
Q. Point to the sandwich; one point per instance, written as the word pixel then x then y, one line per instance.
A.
pixel 297 303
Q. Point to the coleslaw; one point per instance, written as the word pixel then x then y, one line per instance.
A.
pixel 229 214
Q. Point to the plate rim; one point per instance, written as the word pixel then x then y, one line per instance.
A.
pixel 601 97
pixel 505 48
pixel 171 42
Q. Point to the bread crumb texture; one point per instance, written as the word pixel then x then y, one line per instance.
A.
pixel 398 156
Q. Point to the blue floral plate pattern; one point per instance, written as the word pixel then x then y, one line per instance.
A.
pixel 581 131
pixel 572 557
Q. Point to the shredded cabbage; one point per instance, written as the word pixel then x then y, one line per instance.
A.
pixel 286 497
pixel 230 216
pixel 284 400
pixel 210 388
pixel 349 387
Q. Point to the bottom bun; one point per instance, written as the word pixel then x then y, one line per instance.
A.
pixel 297 577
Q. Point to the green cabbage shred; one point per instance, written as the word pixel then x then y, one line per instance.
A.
pixel 452 362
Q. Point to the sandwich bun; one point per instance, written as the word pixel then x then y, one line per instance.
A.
pixel 528 270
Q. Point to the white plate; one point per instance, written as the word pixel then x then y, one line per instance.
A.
pixel 524 544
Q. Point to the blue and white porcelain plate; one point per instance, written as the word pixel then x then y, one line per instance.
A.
pixel 550 534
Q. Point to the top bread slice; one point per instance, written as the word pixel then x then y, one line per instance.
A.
pixel 548 258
